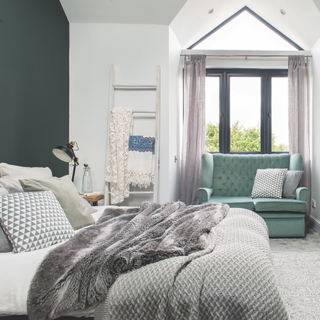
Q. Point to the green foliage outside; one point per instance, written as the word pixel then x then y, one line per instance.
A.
pixel 241 139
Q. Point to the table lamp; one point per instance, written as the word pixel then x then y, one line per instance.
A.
pixel 66 154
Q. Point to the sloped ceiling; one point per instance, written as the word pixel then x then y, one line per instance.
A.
pixel 301 23
pixel 190 20
pixel 159 12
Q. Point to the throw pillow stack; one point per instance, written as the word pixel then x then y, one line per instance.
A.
pixel 276 183
pixel 38 210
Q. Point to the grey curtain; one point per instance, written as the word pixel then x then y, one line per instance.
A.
pixel 299 113
pixel 193 141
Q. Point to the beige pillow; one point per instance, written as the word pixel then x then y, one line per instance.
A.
pixel 67 195
pixel 9 171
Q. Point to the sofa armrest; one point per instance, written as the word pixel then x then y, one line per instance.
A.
pixel 204 194
pixel 302 193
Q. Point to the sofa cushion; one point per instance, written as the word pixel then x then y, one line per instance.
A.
pixel 268 183
pixel 291 183
pixel 283 205
pixel 234 202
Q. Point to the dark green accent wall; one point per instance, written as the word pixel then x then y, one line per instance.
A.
pixel 34 82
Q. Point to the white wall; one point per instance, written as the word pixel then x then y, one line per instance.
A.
pixel 175 115
pixel 315 176
pixel 135 51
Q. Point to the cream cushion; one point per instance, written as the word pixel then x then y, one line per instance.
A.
pixel 67 195
pixel 13 172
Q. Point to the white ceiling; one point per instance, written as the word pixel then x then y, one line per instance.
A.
pixel 189 19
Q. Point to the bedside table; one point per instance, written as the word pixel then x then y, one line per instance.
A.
pixel 94 198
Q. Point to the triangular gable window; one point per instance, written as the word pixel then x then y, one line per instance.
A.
pixel 245 30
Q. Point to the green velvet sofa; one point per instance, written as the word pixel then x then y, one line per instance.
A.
pixel 229 178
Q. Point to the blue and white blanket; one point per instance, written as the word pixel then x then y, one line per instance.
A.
pixel 141 161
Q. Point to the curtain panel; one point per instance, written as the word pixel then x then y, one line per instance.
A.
pixel 193 141
pixel 299 131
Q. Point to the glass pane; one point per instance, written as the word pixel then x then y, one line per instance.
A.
pixel 212 114
pixel 279 100
pixel 244 32
pixel 245 105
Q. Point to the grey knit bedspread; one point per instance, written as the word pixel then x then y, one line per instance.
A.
pixel 234 281
pixel 78 274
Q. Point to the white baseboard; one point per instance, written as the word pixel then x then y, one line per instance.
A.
pixel 314 223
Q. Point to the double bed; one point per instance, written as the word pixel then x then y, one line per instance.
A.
pixel 225 272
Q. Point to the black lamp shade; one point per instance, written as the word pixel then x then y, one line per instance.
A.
pixel 63 153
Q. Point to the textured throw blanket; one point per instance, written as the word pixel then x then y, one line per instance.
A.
pixel 234 281
pixel 117 164
pixel 78 274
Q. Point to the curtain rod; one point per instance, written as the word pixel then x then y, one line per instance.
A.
pixel 242 55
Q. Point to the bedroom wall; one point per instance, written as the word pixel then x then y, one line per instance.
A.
pixel 175 114
pixel 315 178
pixel 34 82
pixel 135 51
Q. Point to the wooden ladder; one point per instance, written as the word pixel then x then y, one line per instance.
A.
pixel 113 88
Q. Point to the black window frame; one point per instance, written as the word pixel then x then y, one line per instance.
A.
pixel 266 113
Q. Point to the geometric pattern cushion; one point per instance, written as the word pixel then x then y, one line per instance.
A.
pixel 33 220
pixel 268 183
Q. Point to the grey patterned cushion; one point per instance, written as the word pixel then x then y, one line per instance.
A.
pixel 268 183
pixel 33 220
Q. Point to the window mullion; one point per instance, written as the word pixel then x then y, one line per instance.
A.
pixel 224 128
pixel 266 138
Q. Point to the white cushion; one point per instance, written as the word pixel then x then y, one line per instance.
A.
pixel 9 171
pixel 268 183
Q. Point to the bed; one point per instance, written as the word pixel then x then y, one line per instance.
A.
pixel 226 273
pixel 19 270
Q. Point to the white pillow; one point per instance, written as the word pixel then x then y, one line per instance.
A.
pixel 268 183
pixel 12 172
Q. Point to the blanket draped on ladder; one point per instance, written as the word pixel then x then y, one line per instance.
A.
pixel 141 161
pixel 117 163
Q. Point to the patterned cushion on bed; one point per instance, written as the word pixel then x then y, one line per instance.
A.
pixel 33 220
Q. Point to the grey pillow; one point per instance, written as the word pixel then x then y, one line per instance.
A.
pixel 13 189
pixel 67 195
pixel 5 244
pixel 291 183
pixel 268 183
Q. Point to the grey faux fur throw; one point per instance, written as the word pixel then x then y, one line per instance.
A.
pixel 77 274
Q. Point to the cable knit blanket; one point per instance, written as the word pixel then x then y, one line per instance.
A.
pixel 78 274
pixel 234 281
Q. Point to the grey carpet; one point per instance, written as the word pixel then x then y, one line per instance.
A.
pixel 297 266
pixel 310 243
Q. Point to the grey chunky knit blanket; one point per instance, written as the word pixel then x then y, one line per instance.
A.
pixel 234 281
pixel 78 274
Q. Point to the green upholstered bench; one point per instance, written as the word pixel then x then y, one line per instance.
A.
pixel 229 178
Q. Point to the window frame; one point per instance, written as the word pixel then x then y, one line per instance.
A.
pixel 224 100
